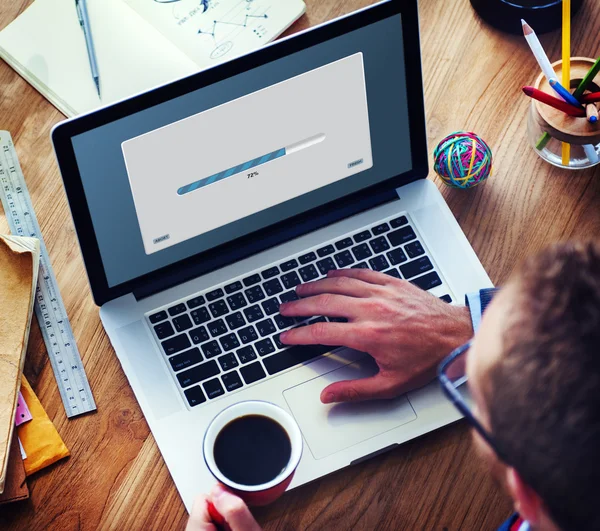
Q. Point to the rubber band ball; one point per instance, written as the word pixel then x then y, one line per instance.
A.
pixel 463 160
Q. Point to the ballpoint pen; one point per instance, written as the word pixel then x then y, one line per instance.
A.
pixel 84 21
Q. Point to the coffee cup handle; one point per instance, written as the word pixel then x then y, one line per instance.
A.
pixel 217 518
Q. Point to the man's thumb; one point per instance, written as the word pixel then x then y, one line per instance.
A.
pixel 233 510
pixel 357 390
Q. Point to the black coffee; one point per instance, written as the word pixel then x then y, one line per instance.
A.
pixel 252 450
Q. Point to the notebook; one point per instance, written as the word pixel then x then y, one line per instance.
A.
pixel 15 488
pixel 139 44
pixel 19 263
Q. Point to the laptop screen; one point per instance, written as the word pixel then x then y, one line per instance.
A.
pixel 247 152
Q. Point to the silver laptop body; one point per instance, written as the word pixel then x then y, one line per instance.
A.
pixel 201 342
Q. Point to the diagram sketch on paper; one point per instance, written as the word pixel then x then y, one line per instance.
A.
pixel 211 31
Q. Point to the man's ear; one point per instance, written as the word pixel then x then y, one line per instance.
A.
pixel 527 503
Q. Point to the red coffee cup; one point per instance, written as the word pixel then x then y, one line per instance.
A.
pixel 264 493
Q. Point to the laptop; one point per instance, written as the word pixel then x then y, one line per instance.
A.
pixel 200 205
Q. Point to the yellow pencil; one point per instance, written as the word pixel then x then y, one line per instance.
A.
pixel 566 65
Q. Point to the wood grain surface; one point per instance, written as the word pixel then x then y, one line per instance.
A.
pixel 116 479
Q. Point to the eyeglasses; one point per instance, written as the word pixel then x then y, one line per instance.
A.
pixel 452 375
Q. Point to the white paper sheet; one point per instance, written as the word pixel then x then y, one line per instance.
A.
pixel 46 46
pixel 211 31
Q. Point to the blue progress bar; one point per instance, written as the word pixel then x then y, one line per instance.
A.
pixel 231 171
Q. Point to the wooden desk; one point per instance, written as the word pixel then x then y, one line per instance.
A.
pixel 116 478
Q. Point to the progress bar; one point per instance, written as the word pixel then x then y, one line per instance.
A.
pixel 292 148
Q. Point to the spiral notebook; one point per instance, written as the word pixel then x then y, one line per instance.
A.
pixel 139 44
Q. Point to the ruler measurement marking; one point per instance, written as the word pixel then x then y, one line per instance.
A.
pixel 50 311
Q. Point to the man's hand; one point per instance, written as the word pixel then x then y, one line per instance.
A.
pixel 407 330
pixel 233 509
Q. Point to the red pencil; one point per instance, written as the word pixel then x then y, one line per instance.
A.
pixel 571 110
pixel 590 98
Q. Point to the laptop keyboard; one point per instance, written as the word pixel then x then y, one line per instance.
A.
pixel 226 338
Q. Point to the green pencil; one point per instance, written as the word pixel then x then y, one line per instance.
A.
pixel 543 141
pixel 587 79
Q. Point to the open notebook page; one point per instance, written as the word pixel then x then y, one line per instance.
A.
pixel 46 46
pixel 213 31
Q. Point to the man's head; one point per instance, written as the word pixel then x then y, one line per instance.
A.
pixel 534 372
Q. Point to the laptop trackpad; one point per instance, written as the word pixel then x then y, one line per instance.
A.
pixel 329 428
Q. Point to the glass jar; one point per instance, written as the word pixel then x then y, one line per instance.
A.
pixel 548 128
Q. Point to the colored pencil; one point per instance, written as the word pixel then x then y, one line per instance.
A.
pixel 545 65
pixel 589 77
pixel 561 105
pixel 592 113
pixel 543 142
pixel 538 51
pixel 564 93
pixel 566 68
pixel 591 154
pixel 592 97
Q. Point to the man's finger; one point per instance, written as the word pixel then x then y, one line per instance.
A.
pixel 375 387
pixel 340 285
pixel 234 510
pixel 199 518
pixel 324 304
pixel 366 275
pixel 332 334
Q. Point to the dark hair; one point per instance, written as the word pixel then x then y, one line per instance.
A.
pixel 544 402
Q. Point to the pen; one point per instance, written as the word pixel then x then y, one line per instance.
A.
pixel 84 21
pixel 564 93
pixel 561 105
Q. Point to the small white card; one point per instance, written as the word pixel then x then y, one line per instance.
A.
pixel 23 454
